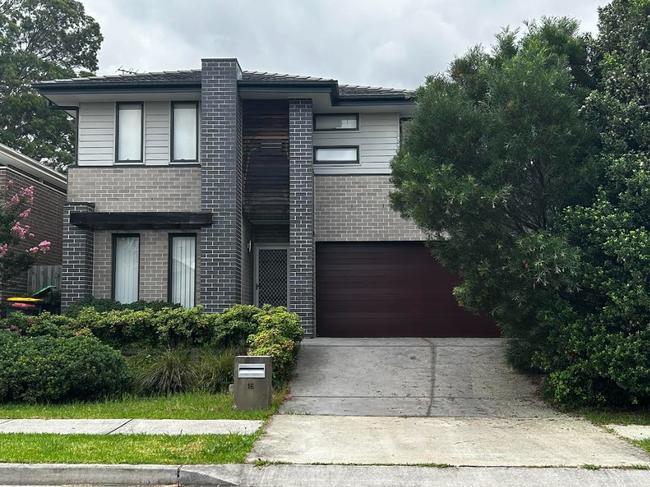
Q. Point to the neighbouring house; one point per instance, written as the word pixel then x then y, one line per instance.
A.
pixel 45 220
pixel 219 186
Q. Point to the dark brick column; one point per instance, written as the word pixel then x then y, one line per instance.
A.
pixel 301 213
pixel 77 265
pixel 221 184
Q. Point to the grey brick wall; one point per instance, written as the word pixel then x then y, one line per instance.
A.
pixel 77 266
pixel 154 264
pixel 221 184
pixel 301 213
pixel 357 208
pixel 137 188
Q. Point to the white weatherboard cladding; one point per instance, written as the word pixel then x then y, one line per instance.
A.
pixel 377 138
pixel 156 129
pixel 97 133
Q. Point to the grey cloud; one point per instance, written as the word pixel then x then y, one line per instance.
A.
pixel 377 42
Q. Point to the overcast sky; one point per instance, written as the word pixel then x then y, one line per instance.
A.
pixel 393 43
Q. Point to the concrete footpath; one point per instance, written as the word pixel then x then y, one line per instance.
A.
pixel 317 476
pixel 130 426
pixel 488 442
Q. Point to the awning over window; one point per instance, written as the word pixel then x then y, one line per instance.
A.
pixel 141 220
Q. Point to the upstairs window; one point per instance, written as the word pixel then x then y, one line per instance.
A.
pixel 185 131
pixel 336 121
pixel 129 132
pixel 336 155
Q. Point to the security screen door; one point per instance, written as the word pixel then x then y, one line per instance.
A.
pixel 271 275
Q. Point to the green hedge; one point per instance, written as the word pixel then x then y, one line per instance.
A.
pixel 265 331
pixel 53 369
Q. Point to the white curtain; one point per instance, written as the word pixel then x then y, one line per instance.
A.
pixel 184 132
pixel 183 271
pixel 129 143
pixel 127 256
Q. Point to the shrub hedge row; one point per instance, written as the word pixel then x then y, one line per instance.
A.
pixel 52 357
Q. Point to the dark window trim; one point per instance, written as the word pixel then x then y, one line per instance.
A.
pixel 171 132
pixel 150 220
pixel 402 121
pixel 117 132
pixel 356 115
pixel 356 147
pixel 169 262
pixel 114 237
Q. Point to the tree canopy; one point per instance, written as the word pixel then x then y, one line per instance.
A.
pixel 532 160
pixel 42 39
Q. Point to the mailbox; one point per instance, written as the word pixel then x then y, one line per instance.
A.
pixel 253 387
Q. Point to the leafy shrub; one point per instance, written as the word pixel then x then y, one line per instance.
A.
pixel 278 318
pixel 282 349
pixel 44 324
pixel 182 326
pixel 165 371
pixel 52 369
pixel 165 327
pixel 235 325
pixel 103 305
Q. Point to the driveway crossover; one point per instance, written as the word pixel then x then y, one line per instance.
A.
pixel 427 401
pixel 410 377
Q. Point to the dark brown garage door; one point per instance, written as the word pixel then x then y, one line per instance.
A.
pixel 386 290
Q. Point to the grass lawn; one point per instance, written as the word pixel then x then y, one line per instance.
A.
pixel 130 449
pixel 605 416
pixel 645 444
pixel 195 405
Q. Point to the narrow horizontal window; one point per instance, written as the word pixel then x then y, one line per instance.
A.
pixel 182 269
pixel 129 132
pixel 336 121
pixel 185 131
pixel 126 268
pixel 336 155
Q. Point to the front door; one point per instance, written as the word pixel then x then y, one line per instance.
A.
pixel 271 283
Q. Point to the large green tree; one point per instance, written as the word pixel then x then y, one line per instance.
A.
pixel 533 162
pixel 39 40
pixel 495 149
pixel 601 351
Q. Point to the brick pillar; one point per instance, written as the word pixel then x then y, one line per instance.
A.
pixel 77 265
pixel 221 184
pixel 301 213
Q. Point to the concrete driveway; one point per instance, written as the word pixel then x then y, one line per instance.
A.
pixel 426 401
pixel 466 377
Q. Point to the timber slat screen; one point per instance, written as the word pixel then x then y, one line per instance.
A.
pixel 266 160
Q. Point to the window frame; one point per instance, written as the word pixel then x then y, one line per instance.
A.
pixel 114 237
pixel 402 121
pixel 171 131
pixel 117 133
pixel 329 163
pixel 355 115
pixel 170 243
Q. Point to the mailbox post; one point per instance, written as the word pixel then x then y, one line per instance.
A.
pixel 253 387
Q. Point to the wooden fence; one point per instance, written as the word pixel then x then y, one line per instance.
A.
pixel 40 276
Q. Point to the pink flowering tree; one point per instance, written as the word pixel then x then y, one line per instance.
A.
pixel 18 246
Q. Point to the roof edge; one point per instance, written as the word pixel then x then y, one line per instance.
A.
pixel 12 158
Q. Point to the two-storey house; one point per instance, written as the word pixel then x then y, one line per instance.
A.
pixel 219 186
